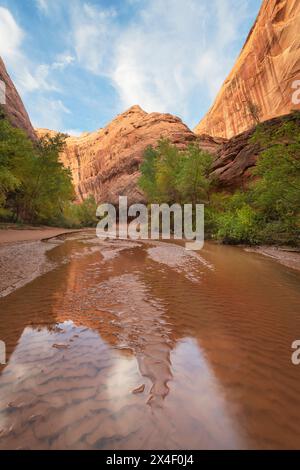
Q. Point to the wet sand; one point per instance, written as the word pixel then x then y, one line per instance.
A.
pixel 23 255
pixel 13 235
pixel 143 345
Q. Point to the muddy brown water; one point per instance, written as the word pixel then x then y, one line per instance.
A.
pixel 142 345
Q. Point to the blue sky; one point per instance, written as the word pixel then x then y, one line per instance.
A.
pixel 78 63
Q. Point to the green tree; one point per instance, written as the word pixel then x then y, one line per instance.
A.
pixel 16 154
pixel 34 185
pixel 195 181
pixel 46 183
pixel 167 172
pixel 172 175
pixel 147 181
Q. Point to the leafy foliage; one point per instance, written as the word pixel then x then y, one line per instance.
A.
pixel 268 211
pixel 46 184
pixel 195 182
pixel 170 175
pixel 35 187
pixel 80 215
pixel 16 152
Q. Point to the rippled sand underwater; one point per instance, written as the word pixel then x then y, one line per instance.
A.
pixel 143 345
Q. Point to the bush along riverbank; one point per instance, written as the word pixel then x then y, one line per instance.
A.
pixel 267 211
pixel 35 187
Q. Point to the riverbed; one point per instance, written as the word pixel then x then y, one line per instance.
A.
pixel 144 345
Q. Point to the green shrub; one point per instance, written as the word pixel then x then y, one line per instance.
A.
pixel 80 215
pixel 170 175
pixel 238 226
pixel 267 212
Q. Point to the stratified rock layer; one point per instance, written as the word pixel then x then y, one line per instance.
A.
pixel 106 163
pixel 264 73
pixel 14 108
pixel 236 157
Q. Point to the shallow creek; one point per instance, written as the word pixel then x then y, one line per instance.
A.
pixel 137 345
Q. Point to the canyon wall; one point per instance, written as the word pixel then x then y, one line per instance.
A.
pixel 106 163
pixel 14 108
pixel 264 73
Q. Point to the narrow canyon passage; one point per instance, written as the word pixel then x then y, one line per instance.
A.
pixel 141 344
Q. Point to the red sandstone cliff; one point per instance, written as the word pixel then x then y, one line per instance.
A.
pixel 14 107
pixel 99 171
pixel 263 74
pixel 106 163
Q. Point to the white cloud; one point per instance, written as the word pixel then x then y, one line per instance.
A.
pixel 59 106
pixel 11 39
pixel 11 35
pixel 73 132
pixel 174 49
pixel 93 36
pixel 62 61
pixel 48 113
pixel 43 5
pixel 35 81
pixel 166 54
pixel 27 77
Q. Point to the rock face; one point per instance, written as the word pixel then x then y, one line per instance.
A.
pixel 14 107
pixel 106 163
pixel 235 157
pixel 264 73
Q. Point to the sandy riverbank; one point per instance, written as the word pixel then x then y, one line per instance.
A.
pixel 286 256
pixel 23 254
pixel 14 235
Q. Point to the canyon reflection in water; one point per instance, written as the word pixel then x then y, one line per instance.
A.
pixel 143 345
